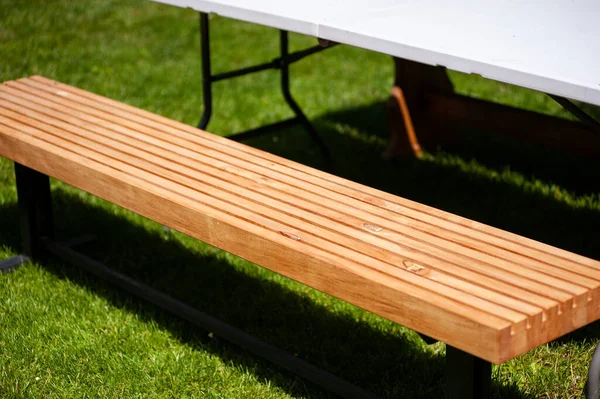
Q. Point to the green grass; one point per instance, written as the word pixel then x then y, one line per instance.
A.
pixel 63 333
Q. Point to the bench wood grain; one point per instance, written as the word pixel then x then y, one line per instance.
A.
pixel 485 291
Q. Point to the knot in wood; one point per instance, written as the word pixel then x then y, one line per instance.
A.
pixel 372 227
pixel 414 268
pixel 290 235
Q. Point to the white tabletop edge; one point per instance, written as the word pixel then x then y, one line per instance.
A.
pixel 560 86
pixel 247 15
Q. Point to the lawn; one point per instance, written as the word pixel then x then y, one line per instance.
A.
pixel 65 334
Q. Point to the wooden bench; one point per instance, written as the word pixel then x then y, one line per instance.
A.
pixel 489 294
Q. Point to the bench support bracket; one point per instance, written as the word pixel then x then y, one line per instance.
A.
pixel 282 63
pixel 467 376
pixel 35 214
pixel 35 209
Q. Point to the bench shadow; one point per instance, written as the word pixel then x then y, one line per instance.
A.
pixel 385 361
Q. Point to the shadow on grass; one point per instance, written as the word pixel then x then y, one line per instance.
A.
pixel 517 204
pixel 386 361
pixel 383 361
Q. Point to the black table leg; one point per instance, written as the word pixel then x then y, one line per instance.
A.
pixel 206 72
pixel 282 63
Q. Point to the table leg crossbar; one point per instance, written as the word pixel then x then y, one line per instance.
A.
pixel 282 63
pixel 584 117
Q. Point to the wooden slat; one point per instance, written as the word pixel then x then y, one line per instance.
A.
pixel 151 116
pixel 309 233
pixel 350 189
pixel 173 155
pixel 344 279
pixel 542 276
pixel 433 269
pixel 469 243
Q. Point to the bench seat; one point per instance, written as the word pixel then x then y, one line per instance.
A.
pixel 485 291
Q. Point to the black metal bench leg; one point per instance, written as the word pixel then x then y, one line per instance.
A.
pixel 592 389
pixel 467 376
pixel 35 214
pixel 35 209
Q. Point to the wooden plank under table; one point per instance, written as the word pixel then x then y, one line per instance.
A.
pixel 485 291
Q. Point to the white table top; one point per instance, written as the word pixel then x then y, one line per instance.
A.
pixel 547 45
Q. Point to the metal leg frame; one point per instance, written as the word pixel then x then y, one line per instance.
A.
pixel 282 63
pixel 35 214
pixel 467 376
pixel 578 112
